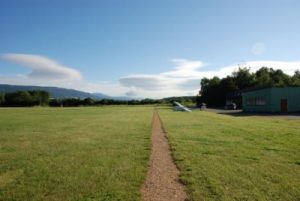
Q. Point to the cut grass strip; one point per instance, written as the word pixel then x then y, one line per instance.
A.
pixel 235 158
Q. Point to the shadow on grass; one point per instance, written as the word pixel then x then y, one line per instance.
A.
pixel 241 113
pixel 262 114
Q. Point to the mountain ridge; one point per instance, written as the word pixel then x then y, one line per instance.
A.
pixel 55 92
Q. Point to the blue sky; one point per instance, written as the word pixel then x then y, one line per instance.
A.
pixel 143 48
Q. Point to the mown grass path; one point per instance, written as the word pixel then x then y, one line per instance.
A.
pixel 162 182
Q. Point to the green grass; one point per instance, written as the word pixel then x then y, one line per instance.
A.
pixel 94 153
pixel 101 153
pixel 235 158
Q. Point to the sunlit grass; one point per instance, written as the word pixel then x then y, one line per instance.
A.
pixel 101 153
pixel 235 158
pixel 95 153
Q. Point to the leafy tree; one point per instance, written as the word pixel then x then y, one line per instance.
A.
pixel 296 79
pixel 215 90
pixel 263 77
pixel 19 98
pixel 40 97
pixel 2 99
pixel 26 98
pixel 55 103
pixel 211 91
pixel 88 101
pixel 243 78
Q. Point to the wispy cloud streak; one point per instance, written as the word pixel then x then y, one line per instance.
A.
pixel 43 68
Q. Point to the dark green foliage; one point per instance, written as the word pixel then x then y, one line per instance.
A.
pixel 67 102
pixel 88 101
pixel 243 78
pixel 73 102
pixel 215 91
pixel 180 99
pixel 211 91
pixel 26 98
pixel 296 79
pixel 40 97
pixel 32 98
pixel 1 98
pixel 267 77
pixel 91 102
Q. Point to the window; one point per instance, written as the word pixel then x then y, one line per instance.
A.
pixel 260 101
pixel 256 101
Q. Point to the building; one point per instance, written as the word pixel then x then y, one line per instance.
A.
pixel 286 99
pixel 236 96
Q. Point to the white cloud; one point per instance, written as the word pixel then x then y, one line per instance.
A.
pixel 107 88
pixel 288 67
pixel 184 68
pixel 43 68
pixel 48 72
pixel 183 79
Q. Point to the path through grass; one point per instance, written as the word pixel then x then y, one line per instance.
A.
pixel 236 158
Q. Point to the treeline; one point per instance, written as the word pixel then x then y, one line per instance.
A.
pixel 215 91
pixel 42 98
pixel 75 102
pixel 24 98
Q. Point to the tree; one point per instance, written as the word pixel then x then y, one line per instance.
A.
pixel 243 78
pixel 211 92
pixel 296 79
pixel 26 98
pixel 228 85
pixel 1 99
pixel 40 97
pixel 215 91
pixel 88 101
pixel 263 77
pixel 19 98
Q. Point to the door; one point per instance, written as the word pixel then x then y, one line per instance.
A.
pixel 284 105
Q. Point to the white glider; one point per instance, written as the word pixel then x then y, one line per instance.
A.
pixel 180 107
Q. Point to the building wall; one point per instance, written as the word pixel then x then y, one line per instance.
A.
pixel 271 97
pixel 292 94
pixel 253 97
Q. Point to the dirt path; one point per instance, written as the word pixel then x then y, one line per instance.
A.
pixel 162 183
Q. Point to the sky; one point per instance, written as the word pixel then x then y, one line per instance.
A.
pixel 143 48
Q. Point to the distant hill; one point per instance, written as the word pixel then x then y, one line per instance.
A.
pixel 55 92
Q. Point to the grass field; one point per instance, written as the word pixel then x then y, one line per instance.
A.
pixel 87 153
pixel 101 153
pixel 236 158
